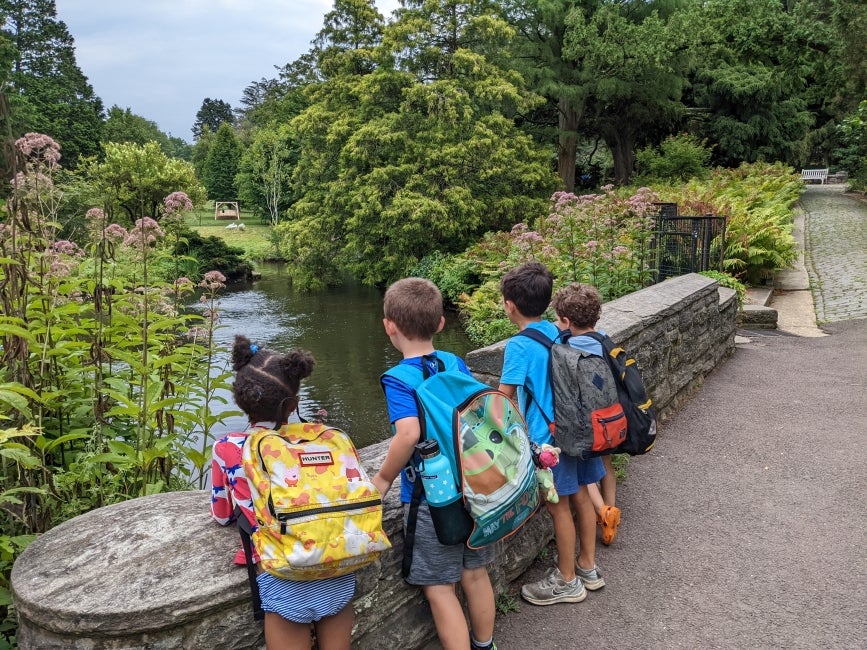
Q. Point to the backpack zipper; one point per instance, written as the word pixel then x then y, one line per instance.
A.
pixel 287 517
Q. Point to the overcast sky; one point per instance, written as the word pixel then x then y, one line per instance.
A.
pixel 161 58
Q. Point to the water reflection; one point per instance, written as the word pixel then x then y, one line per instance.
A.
pixel 342 327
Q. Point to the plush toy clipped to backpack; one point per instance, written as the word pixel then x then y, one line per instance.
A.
pixel 544 458
pixel 318 513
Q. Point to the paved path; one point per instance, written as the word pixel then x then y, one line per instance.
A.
pixel 836 247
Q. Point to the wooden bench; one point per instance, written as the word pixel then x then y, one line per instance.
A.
pixel 814 175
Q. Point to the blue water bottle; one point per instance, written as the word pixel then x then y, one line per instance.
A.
pixel 440 483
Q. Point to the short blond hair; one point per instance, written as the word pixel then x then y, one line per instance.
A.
pixel 415 306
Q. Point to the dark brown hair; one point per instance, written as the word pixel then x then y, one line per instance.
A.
pixel 267 382
pixel 529 286
pixel 415 305
pixel 580 303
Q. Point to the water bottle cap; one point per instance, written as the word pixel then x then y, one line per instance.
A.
pixel 428 448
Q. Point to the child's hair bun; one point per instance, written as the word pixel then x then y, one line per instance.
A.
pixel 297 364
pixel 242 352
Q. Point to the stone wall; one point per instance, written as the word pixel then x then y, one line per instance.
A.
pixel 157 572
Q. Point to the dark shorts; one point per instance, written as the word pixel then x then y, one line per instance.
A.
pixel 571 473
pixel 436 564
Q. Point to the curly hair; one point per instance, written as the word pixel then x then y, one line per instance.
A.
pixel 580 303
pixel 267 382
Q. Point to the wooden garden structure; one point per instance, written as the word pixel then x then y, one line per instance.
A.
pixel 224 210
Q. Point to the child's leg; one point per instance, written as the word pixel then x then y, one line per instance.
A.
pixel 335 632
pixel 583 505
pixel 448 616
pixel 595 497
pixel 476 584
pixel 564 535
pixel 282 634
pixel 608 483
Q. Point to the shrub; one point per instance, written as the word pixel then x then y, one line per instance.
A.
pixel 726 280
pixel 678 158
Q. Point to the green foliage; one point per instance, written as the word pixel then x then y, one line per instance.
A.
pixel 51 94
pixel 212 115
pixel 507 602
pixel 600 239
pixel 221 165
pixel 211 253
pixel 397 163
pixel 678 158
pixel 106 379
pixel 265 171
pixel 135 178
pixel 852 155
pixel 455 275
pixel 730 281
pixel 757 200
pixel 122 125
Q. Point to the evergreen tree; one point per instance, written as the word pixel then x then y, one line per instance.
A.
pixel 56 98
pixel 221 165
pixel 212 114
pixel 748 82
pixel 411 147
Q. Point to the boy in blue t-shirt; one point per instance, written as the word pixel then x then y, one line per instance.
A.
pixel 413 310
pixel 526 294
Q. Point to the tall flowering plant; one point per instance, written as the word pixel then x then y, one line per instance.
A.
pixel 600 239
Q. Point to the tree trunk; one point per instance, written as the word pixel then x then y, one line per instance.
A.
pixel 569 119
pixel 622 146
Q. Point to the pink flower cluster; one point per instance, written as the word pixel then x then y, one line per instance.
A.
pixel 40 147
pixel 66 247
pixel 145 233
pixel 177 202
pixel 213 280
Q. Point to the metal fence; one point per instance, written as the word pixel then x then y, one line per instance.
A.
pixel 686 244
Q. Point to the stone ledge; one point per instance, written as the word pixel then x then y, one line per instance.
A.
pixel 758 317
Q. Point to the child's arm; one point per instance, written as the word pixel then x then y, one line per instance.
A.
pixel 222 506
pixel 509 389
pixel 407 432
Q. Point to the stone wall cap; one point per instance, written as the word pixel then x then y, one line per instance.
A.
pixel 129 567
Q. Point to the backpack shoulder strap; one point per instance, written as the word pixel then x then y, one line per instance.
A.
pixel 246 531
pixel 535 335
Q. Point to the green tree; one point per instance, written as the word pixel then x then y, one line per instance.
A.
pixel 55 96
pixel 748 84
pixel 422 156
pixel 122 125
pixel 265 171
pixel 212 114
pixel 201 149
pixel 135 178
pixel 636 75
pixel 221 165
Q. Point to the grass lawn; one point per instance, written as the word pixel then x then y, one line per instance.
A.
pixel 254 239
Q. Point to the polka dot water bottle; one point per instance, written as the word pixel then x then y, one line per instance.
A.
pixel 440 482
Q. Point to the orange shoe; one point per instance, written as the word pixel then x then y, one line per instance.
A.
pixel 609 520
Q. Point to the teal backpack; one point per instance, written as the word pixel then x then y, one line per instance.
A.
pixel 483 435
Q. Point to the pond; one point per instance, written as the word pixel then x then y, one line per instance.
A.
pixel 342 327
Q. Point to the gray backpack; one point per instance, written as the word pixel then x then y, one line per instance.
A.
pixel 588 417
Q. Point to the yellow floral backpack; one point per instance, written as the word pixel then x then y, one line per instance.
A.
pixel 318 513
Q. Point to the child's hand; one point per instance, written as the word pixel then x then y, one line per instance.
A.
pixel 381 484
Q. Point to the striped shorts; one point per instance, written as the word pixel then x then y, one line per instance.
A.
pixel 305 601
